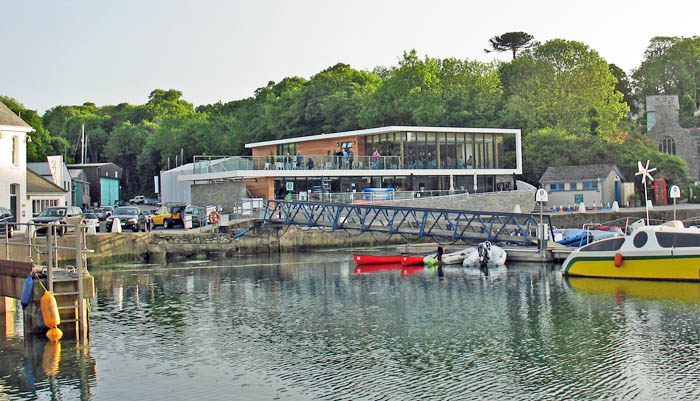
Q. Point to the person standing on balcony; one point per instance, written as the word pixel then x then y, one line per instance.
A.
pixel 344 158
pixel 300 159
pixel 338 155
pixel 351 156
pixel 375 159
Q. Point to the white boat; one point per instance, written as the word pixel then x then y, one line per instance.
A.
pixel 455 258
pixel 666 252
pixel 495 255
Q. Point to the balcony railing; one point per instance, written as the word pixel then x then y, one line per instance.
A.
pixel 203 165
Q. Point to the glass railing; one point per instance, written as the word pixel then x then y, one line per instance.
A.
pixel 204 165
pixel 367 197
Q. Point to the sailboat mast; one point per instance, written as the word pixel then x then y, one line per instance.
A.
pixel 82 146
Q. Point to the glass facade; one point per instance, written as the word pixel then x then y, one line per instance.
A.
pixel 445 150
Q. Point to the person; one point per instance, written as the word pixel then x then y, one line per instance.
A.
pixel 344 158
pixel 300 159
pixel 439 262
pixel 310 163
pixel 375 159
pixel 469 161
pixel 338 155
pixel 287 161
pixel 351 156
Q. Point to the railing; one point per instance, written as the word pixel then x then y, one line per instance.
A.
pixel 368 197
pixel 421 222
pixel 203 164
pixel 47 252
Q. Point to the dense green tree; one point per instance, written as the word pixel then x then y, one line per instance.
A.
pixel 555 147
pixel 512 41
pixel 41 143
pixel 671 66
pixel 625 87
pixel 564 85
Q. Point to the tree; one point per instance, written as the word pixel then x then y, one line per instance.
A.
pixel 42 143
pixel 624 86
pixel 562 84
pixel 671 66
pixel 511 41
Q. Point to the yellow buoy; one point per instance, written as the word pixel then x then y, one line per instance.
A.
pixel 49 310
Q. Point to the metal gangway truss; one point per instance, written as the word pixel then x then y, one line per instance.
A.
pixel 517 228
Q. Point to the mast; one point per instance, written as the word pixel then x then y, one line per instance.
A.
pixel 82 146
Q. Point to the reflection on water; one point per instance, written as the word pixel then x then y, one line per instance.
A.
pixel 313 326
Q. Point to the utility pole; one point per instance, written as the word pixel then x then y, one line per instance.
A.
pixel 82 144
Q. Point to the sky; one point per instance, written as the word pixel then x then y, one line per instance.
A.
pixel 114 51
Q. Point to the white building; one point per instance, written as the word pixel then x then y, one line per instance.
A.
pixel 13 164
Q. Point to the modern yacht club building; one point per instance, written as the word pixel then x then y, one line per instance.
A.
pixel 399 157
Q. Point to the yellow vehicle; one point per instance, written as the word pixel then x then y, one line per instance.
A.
pixel 168 216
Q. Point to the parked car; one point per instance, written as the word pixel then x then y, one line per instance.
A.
pixel 151 201
pixel 168 216
pixel 137 200
pixel 91 220
pixel 130 217
pixel 119 203
pixel 66 216
pixel 198 215
pixel 6 217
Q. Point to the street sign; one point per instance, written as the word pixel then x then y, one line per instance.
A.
pixel 675 192
pixel 290 185
pixel 541 195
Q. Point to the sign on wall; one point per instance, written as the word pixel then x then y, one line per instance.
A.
pixel 578 198
pixel 56 169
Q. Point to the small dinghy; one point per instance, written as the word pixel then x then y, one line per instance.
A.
pixel 455 258
pixel 485 255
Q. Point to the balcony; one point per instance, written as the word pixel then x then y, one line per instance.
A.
pixel 204 165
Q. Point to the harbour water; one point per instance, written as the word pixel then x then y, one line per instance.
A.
pixel 312 326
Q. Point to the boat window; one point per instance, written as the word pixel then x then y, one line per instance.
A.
pixel 678 240
pixel 612 244
pixel 640 239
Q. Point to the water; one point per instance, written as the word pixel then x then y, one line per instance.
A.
pixel 307 327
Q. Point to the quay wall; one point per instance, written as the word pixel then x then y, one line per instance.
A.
pixel 493 201
pixel 564 219
pixel 160 247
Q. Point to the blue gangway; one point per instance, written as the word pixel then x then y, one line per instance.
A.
pixel 421 222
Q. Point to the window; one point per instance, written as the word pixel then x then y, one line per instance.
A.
pixel 557 186
pixel 612 244
pixel 573 186
pixel 667 145
pixel 678 240
pixel 590 185
pixel 15 151
pixel 38 205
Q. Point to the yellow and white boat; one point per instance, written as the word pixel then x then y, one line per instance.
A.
pixel 666 252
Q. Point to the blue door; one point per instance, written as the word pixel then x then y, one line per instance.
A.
pixel 618 195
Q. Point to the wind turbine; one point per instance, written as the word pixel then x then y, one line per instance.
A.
pixel 645 172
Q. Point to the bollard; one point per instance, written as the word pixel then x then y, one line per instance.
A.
pixel 582 208
pixel 615 207
pixel 516 209
pixel 116 226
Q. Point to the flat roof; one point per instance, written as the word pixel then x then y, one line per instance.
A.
pixel 383 130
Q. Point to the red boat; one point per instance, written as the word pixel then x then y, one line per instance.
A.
pixel 412 260
pixel 360 269
pixel 374 259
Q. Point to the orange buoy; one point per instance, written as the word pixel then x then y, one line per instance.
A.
pixel 49 310
pixel 213 217
pixel 54 334
pixel 618 259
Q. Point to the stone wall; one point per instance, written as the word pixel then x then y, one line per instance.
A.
pixel 220 193
pixel 487 202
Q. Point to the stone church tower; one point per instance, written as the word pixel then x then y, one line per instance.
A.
pixel 669 136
